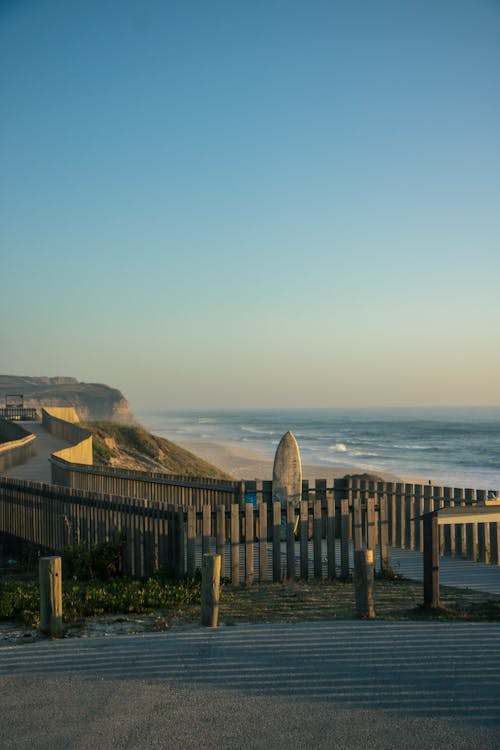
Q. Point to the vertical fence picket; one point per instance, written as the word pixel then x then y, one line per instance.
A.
pixel 220 530
pixel 304 539
pixel 191 541
pixel 290 540
pixel 249 544
pixel 317 538
pixel 262 511
pixel 276 541
pixel 206 530
pixel 330 536
pixel 235 544
pixel 344 538
pixel 469 528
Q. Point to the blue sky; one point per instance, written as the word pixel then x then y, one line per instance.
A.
pixel 253 203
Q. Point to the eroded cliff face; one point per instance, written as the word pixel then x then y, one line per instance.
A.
pixel 91 400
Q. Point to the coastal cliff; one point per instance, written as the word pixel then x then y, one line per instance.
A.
pixel 90 400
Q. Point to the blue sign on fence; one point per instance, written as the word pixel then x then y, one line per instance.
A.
pixel 251 497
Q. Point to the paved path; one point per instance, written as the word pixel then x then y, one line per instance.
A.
pixel 342 685
pixel 37 469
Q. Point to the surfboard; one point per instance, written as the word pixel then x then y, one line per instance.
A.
pixel 287 471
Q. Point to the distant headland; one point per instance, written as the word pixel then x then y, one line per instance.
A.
pixel 90 400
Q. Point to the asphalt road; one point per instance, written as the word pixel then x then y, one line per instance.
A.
pixel 324 685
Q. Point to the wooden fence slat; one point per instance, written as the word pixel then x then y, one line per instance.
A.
pixel 262 510
pixel 206 529
pixel 235 544
pixel 330 536
pixel 276 541
pixel 304 539
pixel 370 523
pixel 384 535
pixel 290 540
pixel 344 538
pixel 249 544
pixel 317 538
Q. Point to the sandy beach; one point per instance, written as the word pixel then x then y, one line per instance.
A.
pixel 244 463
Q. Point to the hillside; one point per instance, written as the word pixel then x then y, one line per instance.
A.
pixel 132 447
pixel 91 400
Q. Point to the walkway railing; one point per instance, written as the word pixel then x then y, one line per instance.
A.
pixel 259 540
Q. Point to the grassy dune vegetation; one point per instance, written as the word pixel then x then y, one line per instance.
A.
pixel 131 446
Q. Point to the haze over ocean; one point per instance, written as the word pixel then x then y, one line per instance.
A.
pixel 253 204
pixel 453 447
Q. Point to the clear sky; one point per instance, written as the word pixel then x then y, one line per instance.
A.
pixel 265 203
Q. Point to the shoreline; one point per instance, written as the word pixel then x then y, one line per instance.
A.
pixel 246 463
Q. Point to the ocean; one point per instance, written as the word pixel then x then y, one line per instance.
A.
pixel 454 447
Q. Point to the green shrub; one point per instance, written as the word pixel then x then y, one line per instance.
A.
pixel 102 561
pixel 20 600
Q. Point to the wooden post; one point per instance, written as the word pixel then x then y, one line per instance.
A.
pixel 210 587
pixel 344 538
pixel 191 541
pixel 370 523
pixel 50 574
pixel 357 521
pixel 304 542
pixel 206 529
pixel 364 583
pixel 276 541
pixel 180 546
pixel 290 540
pixel 384 535
pixel 317 538
pixel 235 544
pixel 330 535
pixel 249 544
pixel 431 561
pixel 263 576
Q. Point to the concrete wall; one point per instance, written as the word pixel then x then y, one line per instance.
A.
pixel 62 422
pixel 16 445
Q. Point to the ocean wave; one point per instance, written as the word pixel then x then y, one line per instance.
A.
pixel 257 431
pixel 413 447
pixel 339 448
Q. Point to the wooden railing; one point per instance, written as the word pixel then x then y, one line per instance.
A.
pixel 18 414
pixel 258 541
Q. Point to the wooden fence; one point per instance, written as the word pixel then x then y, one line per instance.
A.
pixel 258 540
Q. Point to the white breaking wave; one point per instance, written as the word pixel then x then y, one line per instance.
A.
pixel 339 448
pixel 256 431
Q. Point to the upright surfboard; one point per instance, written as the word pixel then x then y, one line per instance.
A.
pixel 287 471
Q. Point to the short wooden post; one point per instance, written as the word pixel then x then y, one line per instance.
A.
pixel 50 574
pixel 210 588
pixel 431 561
pixel 364 583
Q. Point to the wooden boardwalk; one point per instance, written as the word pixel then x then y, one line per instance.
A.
pixel 38 468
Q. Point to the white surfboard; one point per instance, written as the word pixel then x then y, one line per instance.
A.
pixel 287 471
